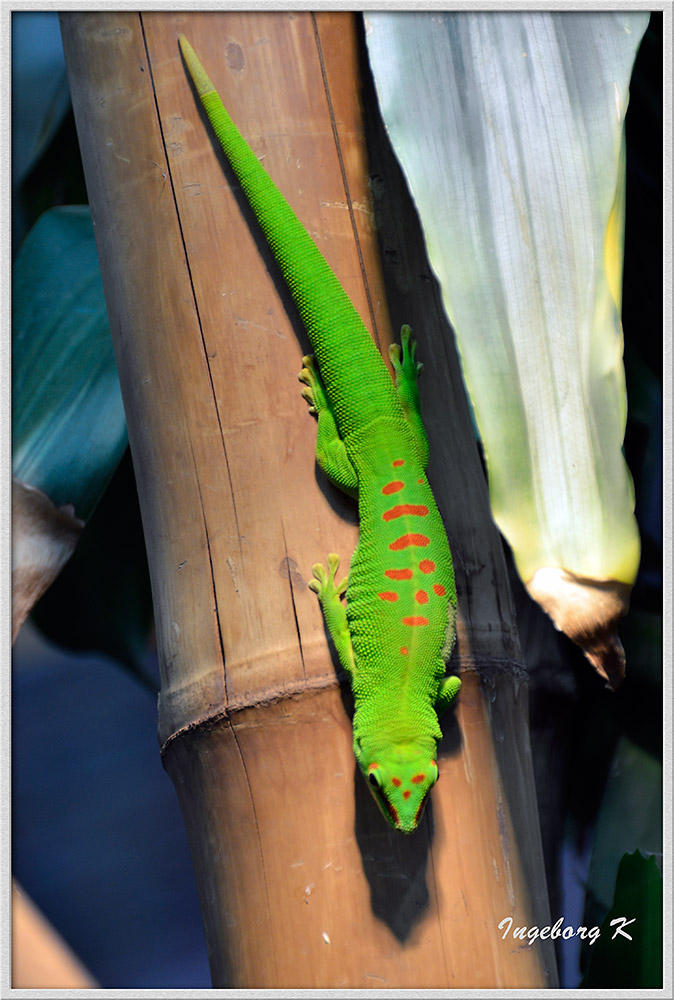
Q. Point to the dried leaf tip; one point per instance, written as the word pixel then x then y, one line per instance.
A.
pixel 588 612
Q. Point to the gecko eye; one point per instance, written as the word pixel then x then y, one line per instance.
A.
pixel 374 779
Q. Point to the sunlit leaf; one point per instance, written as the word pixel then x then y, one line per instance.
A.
pixel 510 131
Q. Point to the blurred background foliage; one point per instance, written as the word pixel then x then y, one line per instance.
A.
pixel 98 841
pixel 87 779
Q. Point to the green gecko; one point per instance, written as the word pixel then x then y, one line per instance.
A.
pixel 397 629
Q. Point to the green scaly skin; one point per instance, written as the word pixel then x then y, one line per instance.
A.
pixel 397 629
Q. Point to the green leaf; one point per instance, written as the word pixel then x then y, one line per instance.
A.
pixel 630 818
pixel 615 961
pixel 68 431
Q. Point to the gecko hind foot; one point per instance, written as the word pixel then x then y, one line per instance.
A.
pixel 314 393
pixel 402 358
pixel 407 371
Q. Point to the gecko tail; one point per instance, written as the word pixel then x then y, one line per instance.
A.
pixel 202 82
pixel 351 366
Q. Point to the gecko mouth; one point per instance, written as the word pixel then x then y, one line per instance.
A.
pixel 390 809
pixel 386 807
pixel 420 811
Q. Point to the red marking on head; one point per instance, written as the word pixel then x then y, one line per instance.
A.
pixel 398 462
pixel 398 574
pixel 415 509
pixel 434 763
pixel 405 541
pixel 418 778
pixel 393 487
pixel 406 794
pixel 404 650
pixel 421 597
pixel 392 811
pixel 373 767
pixel 388 595
pixel 415 620
pixel 419 812
pixel 439 589
pixel 396 781
pixel 427 566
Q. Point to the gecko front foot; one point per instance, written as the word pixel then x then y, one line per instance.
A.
pixel 324 583
pixel 330 594
pixel 449 688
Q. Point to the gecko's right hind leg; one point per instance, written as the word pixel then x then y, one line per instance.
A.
pixel 330 451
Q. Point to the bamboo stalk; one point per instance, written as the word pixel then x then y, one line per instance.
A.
pixel 301 882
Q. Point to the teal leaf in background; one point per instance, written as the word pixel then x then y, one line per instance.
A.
pixel 40 92
pixel 68 429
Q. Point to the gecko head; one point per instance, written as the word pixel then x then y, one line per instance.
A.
pixel 400 779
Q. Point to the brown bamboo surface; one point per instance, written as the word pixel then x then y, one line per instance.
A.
pixel 301 881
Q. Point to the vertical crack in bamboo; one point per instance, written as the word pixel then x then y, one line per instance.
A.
pixel 268 906
pixel 292 599
pixel 216 611
pixel 191 281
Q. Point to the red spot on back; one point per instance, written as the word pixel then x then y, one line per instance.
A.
pixel 418 778
pixel 388 595
pixel 398 462
pixel 427 566
pixel 420 480
pixel 421 597
pixel 404 650
pixel 406 794
pixel 393 487
pixel 416 509
pixel 415 620
pixel 405 541
pixel 398 574
pixel 439 589
pixel 396 781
